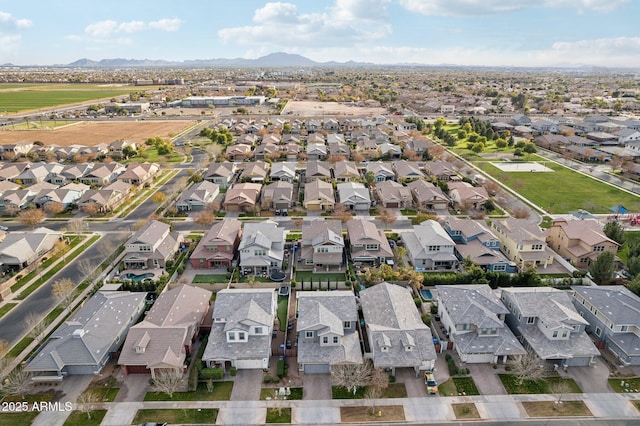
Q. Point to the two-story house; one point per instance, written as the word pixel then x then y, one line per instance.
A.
pixel 327 330
pixel 396 334
pixel 579 241
pixel 613 314
pixel 368 244
pixel 430 247
pixel 319 195
pixel 393 195
pixel 523 242
pixel 322 244
pixel 221 173
pixel 241 331
pixel 151 246
pixel 474 316
pixel 261 248
pixel 218 246
pixel 545 321
pixel 475 242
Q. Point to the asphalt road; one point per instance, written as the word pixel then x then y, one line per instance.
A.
pixel 12 325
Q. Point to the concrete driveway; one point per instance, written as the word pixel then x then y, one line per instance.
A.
pixel 247 385
pixel 591 379
pixel 486 378
pixel 317 386
pixel 134 387
pixel 415 387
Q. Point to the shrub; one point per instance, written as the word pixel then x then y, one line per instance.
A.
pixel 267 379
pixel 281 367
pixel 275 379
pixel 434 309
pixel 233 371
pixel 211 373
pixel 426 319
pixel 193 378
pixel 392 379
pixel 417 301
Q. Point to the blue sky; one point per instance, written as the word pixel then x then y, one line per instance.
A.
pixel 462 32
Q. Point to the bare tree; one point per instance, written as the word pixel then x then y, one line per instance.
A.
pixel 86 267
pixel 169 380
pixel 63 290
pixel 86 402
pixel 204 219
pixel 139 224
pixel 386 216
pixel 4 359
pixel 560 388
pixel 521 213
pixel 106 247
pixel 528 367
pixel 36 325
pixel 53 208
pixel 17 382
pixel 341 213
pixel 371 393
pixel 351 376
pixel 76 226
pixel 31 217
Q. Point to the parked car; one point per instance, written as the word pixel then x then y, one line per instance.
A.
pixel 3 228
pixel 430 383
pixel 288 344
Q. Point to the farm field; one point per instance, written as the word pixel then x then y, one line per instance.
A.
pixel 94 133
pixel 313 108
pixel 16 98
pixel 564 190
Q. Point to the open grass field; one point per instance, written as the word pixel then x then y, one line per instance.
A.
pixel 17 98
pixel 564 190
pixel 94 133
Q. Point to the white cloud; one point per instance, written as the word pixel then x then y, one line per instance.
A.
pixel 109 27
pixel 9 22
pixel 475 7
pixel 9 43
pixel 281 25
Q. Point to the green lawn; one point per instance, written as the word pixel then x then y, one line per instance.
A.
pixel 6 308
pixel 634 384
pixel 105 394
pixel 395 390
pixel 512 385
pixel 283 305
pixel 278 416
pixel 210 279
pixel 296 393
pixel 177 416
pixel 458 386
pixel 78 418
pixel 221 392
pixel 564 190
pixel 151 155
pixel 43 96
pixel 13 419
pixel 629 236
pixel 339 392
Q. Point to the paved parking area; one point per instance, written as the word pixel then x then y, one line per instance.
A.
pixel 316 386
pixel 247 385
pixel 134 387
pixel 591 379
pixel 415 386
pixel 486 379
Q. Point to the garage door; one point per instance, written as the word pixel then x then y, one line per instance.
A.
pixel 317 369
pixel 247 364
pixel 478 358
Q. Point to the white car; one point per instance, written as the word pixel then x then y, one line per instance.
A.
pixel 3 228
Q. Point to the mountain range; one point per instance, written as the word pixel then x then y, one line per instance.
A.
pixel 273 60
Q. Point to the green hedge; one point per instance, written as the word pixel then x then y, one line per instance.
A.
pixel 211 373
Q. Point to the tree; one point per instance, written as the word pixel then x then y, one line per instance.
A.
pixel 530 148
pixel 36 325
pixel 422 217
pixel 53 208
pixel 341 213
pixel 528 367
pixel 31 217
pixel 603 268
pixel 371 394
pixel 633 265
pixel 168 380
pixel 204 219
pixel 634 285
pixel 521 213
pixel 559 388
pixel 17 382
pixel 63 290
pixel 400 255
pixel 86 402
pixel 158 198
pixel 386 216
pixel 251 280
pixel 370 177
pixel 615 231
pixel 501 143
pixel 352 376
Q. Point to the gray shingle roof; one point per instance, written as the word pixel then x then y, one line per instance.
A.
pixel 617 303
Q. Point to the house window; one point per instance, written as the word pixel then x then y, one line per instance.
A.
pixel 499 268
pixel 308 334
pixel 258 330
pixel 624 328
pixel 309 261
pixel 598 331
pixel 466 326
pixel 433 248
pixel 519 317
pixel 325 340
pixel 372 247
pixel 232 337
pixel 322 250
pixel 531 320
pixel 346 324
pixel 201 261
pixel 564 333
pixel 555 333
pixel 536 247
pixel 242 335
pixel 260 253
pixel 598 248
pixel 336 340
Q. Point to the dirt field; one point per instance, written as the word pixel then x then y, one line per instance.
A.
pixel 94 133
pixel 311 108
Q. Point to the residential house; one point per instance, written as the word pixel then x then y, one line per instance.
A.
pixel 613 314
pixel 9 171
pixel 467 196
pixel 11 151
pixel 523 242
pixel 151 246
pixel 327 331
pixel 339 150
pixel 381 171
pixel 197 196
pixel 39 172
pixel 407 170
pixel 84 343
pixel 476 242
pixel 283 171
pixel 103 174
pixel 473 317
pixel 317 170
pixel 316 151
pixel 330 124
pixel 345 171
pixel 218 246
pixel 428 196
pixel 117 148
pixel 390 151
pixel 442 170
pixel 520 120
pixel 256 171
pixel 266 151
pixel 238 152
pixel 66 196
pixel 71 173
pixel 278 196
pixel 319 195
pixel 544 126
pixel 354 196
pixel 430 247
pixel 545 321
pixel 164 339
pixel 322 244
pixel 368 244
pixel 627 135
pixel 14 200
pixel 101 200
pixel 20 249
pixel 393 195
pixel 139 174
pixel 221 173
pixel 579 241
pixel 242 197
pixel 397 336
pixel 261 248
pixel 420 146
pixel 368 148
pixel 240 337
